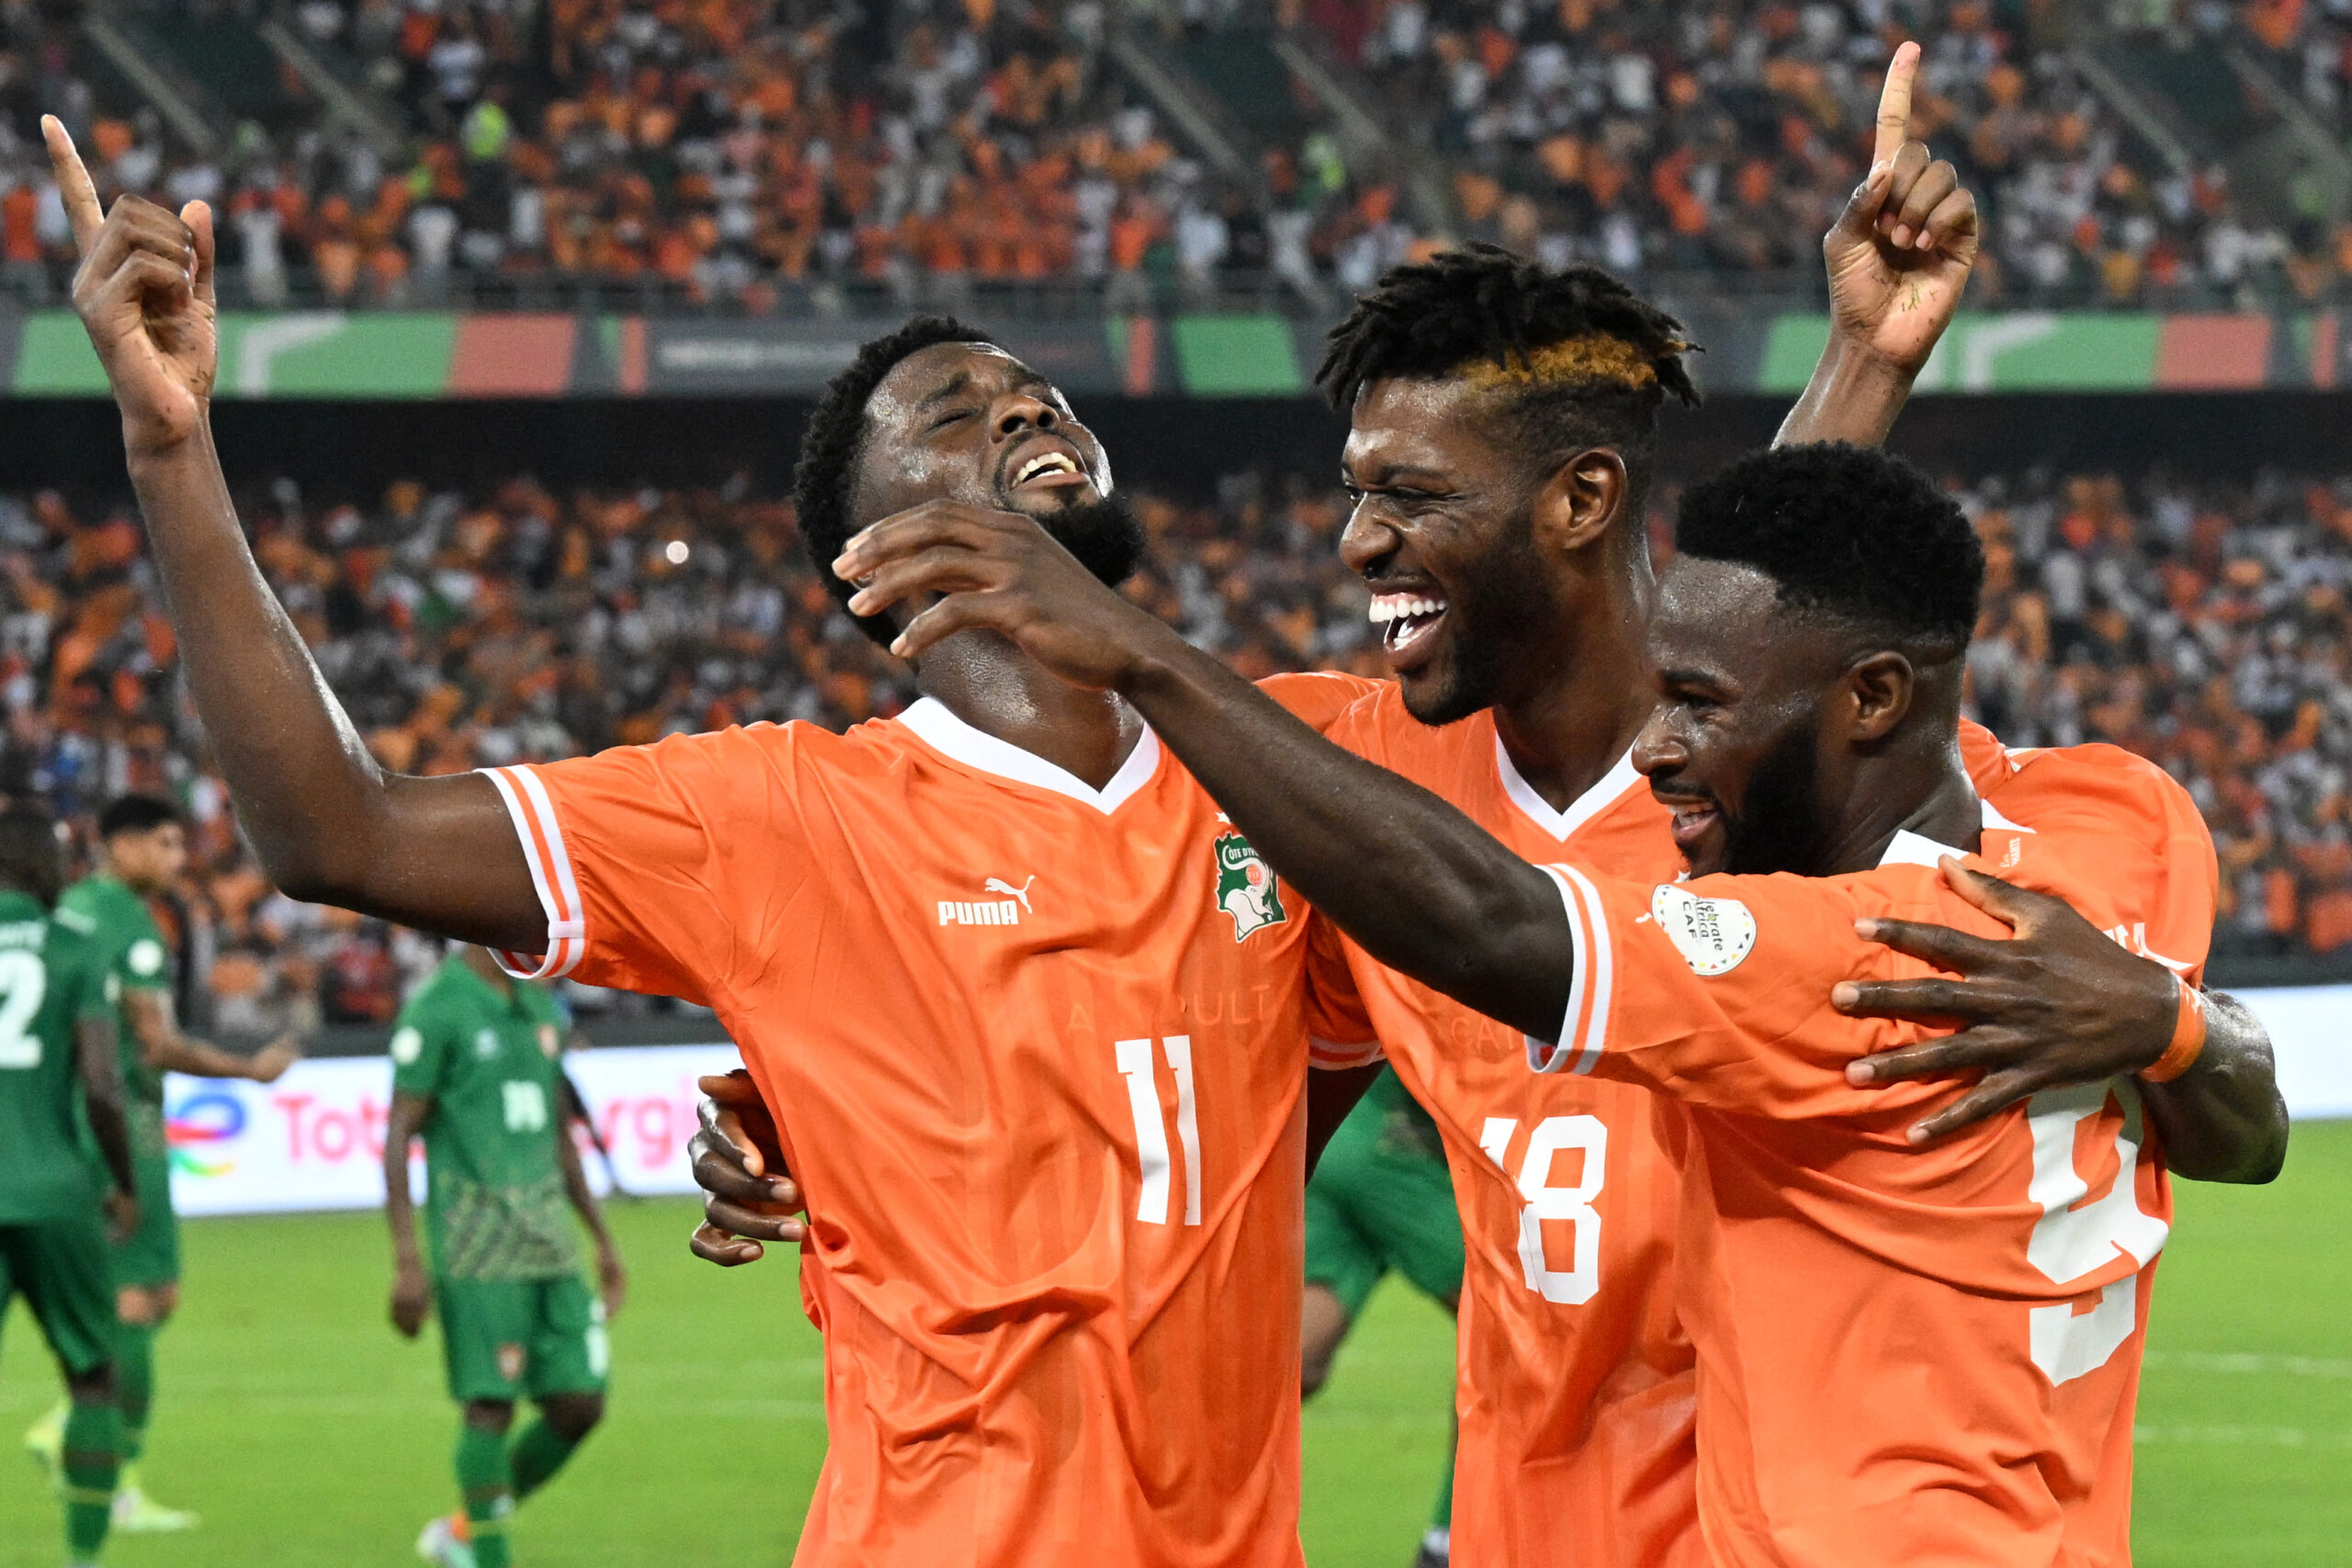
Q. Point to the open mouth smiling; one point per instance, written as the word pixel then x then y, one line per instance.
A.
pixel 1049 465
pixel 1407 619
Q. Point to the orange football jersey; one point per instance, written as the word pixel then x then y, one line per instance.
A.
pixel 1915 1356
pixel 1037 1052
pixel 1576 1390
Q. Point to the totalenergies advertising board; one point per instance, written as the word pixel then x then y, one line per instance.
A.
pixel 315 1138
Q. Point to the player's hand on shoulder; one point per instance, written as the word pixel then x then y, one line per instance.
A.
pixel 122 1217
pixel 748 1195
pixel 1900 254
pixel 997 572
pixel 2059 1003
pixel 145 291
pixel 412 1298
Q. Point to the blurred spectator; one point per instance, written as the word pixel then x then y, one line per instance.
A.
pixel 2210 628
pixel 758 155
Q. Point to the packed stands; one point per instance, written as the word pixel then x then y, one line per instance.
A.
pixel 2208 629
pixel 763 156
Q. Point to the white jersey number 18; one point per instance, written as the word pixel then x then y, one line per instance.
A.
pixel 1552 1136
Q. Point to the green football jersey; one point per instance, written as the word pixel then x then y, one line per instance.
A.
pixel 133 955
pixel 1405 1128
pixel 49 978
pixel 495 1206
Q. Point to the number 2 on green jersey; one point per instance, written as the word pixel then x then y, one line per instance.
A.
pixel 24 982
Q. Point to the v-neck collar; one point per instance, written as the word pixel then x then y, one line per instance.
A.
pixel 1907 848
pixel 949 736
pixel 1581 810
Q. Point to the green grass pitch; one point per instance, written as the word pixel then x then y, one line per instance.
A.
pixel 310 1436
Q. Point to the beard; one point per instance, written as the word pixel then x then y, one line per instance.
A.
pixel 1497 619
pixel 1779 826
pixel 1103 535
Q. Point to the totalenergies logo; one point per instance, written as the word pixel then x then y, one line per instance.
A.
pixel 195 1129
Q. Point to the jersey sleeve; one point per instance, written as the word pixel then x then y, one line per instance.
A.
pixel 1716 992
pixel 2174 919
pixel 422 1043
pixel 638 852
pixel 1339 1028
pixel 1986 759
pixel 141 962
pixel 93 996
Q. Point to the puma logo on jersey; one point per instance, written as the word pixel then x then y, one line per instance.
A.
pixel 989 911
pixel 999 884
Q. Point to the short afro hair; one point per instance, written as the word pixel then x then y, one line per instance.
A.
pixel 1849 532
pixel 1587 362
pixel 138 814
pixel 31 859
pixel 835 441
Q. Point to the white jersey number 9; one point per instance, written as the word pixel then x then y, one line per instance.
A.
pixel 2069 1241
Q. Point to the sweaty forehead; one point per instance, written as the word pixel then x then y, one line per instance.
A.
pixel 932 374
pixel 1419 423
pixel 1723 616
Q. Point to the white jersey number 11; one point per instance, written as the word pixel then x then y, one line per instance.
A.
pixel 1151 1128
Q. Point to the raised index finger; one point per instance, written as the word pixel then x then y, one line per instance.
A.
pixel 1894 105
pixel 80 197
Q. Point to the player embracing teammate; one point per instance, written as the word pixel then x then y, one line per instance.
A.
pixel 1052 1154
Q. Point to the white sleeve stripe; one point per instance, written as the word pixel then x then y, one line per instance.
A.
pixel 567 885
pixel 542 842
pixel 1331 1057
pixel 1543 1057
pixel 1598 959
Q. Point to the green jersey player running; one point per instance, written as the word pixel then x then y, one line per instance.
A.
pixel 57 1047
pixel 1380 1201
pixel 475 1073
pixel 143 849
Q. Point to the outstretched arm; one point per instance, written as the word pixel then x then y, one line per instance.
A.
pixel 1418 886
pixel 2063 1003
pixel 163 1047
pixel 329 824
pixel 1898 260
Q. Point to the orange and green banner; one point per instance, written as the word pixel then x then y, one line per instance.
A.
pixel 431 355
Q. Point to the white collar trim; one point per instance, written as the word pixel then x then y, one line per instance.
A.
pixel 1908 848
pixel 1581 810
pixel 940 730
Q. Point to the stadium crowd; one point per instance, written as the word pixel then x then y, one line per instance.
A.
pixel 758 155
pixel 2209 630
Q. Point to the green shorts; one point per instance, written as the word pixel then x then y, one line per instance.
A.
pixel 505 1338
pixel 60 1267
pixel 149 1255
pixel 1382 1199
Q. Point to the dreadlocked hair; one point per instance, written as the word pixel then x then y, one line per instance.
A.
pixel 1580 359
pixel 834 442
